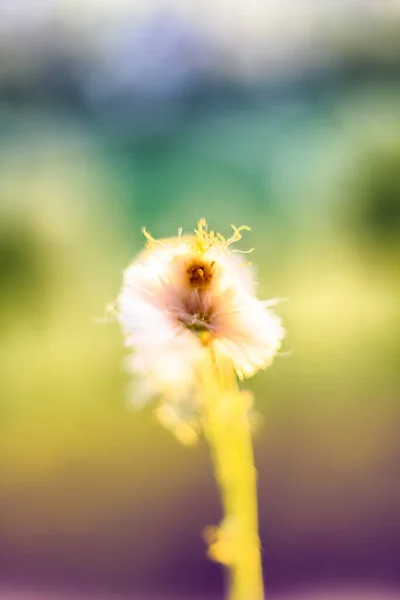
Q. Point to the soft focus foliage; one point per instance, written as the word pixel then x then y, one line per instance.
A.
pixel 115 117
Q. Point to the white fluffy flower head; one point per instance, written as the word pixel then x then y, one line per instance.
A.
pixel 182 297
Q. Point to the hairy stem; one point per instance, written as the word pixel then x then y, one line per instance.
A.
pixel 236 542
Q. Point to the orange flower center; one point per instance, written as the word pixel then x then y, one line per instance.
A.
pixel 200 275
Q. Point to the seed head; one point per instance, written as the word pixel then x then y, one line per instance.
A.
pixel 182 297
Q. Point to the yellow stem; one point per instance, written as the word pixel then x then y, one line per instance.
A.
pixel 236 543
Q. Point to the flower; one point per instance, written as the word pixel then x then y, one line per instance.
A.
pixel 183 297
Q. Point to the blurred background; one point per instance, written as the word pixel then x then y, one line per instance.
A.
pixel 281 115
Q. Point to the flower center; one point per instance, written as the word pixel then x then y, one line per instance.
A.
pixel 199 323
pixel 200 275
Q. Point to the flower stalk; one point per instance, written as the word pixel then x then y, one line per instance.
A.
pixel 235 543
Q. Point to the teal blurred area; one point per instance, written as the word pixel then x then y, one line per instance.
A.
pixel 283 118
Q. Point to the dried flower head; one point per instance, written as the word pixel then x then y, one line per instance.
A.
pixel 182 297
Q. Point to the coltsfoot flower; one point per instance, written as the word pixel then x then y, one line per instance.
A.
pixel 180 298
